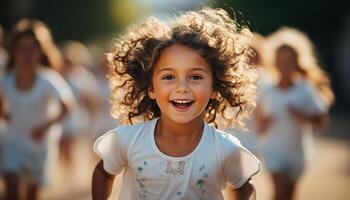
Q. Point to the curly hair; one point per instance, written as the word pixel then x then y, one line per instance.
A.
pixel 210 32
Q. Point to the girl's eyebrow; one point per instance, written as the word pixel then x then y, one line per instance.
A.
pixel 199 68
pixel 165 69
pixel 191 69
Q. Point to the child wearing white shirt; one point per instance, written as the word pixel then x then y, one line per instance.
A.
pixel 36 99
pixel 289 109
pixel 179 78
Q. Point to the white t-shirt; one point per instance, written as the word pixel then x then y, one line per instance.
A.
pixel 102 120
pixel 248 134
pixel 150 174
pixel 286 136
pixel 83 84
pixel 31 108
pixel 28 110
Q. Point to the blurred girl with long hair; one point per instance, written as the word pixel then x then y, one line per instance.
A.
pixel 287 111
pixel 247 135
pixel 36 99
pixel 84 86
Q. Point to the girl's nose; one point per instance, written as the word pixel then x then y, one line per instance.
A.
pixel 182 86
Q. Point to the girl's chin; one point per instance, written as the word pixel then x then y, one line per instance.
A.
pixel 183 120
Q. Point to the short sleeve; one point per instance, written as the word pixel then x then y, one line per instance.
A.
pixel 314 103
pixel 58 86
pixel 239 165
pixel 110 148
pixel 263 97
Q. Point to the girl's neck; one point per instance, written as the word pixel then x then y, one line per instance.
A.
pixel 25 78
pixel 178 140
pixel 166 128
pixel 285 83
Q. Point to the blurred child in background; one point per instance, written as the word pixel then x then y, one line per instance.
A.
pixel 288 109
pixel 3 61
pixel 103 120
pixel 310 69
pixel 36 98
pixel 247 135
pixel 82 82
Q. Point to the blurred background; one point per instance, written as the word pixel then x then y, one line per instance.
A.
pixel 96 23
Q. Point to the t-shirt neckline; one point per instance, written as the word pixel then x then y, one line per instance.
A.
pixel 186 157
pixel 20 92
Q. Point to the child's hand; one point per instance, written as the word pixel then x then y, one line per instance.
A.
pixel 264 123
pixel 6 117
pixel 296 114
pixel 262 120
pixel 318 120
pixel 39 132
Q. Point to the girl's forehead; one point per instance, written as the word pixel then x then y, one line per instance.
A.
pixel 180 57
pixel 27 40
pixel 286 49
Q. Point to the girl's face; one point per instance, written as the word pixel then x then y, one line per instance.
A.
pixel 181 84
pixel 27 52
pixel 286 61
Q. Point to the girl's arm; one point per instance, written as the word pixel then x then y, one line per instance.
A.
pixel 39 132
pixel 246 192
pixel 3 113
pixel 262 121
pixel 317 120
pixel 102 182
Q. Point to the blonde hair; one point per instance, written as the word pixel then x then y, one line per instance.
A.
pixel 77 53
pixel 307 59
pixel 256 42
pixel 213 34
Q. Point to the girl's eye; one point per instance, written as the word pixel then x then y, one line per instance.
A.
pixel 196 77
pixel 168 77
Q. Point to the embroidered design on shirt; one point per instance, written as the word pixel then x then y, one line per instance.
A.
pixel 179 196
pixel 141 181
pixel 175 168
pixel 201 182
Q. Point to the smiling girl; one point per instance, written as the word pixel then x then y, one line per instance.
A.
pixel 178 78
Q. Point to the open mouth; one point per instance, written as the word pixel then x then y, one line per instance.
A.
pixel 181 104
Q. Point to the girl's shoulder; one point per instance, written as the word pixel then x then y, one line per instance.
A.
pixel 230 153
pixel 131 128
pixel 267 88
pixel 127 132
pixel 225 140
pixel 53 81
pixel 123 136
pixel 49 75
pixel 304 87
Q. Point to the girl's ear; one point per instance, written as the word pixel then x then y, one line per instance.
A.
pixel 213 95
pixel 151 93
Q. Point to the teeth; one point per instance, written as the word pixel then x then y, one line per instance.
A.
pixel 181 101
